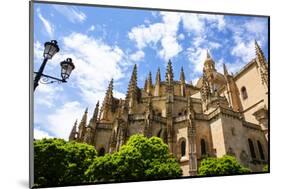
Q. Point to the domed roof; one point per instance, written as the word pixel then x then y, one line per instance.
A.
pixel 217 78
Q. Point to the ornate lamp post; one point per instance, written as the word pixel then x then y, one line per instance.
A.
pixel 51 48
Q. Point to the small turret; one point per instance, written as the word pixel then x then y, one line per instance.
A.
pixel 82 125
pixel 149 83
pixel 225 71
pixel 157 83
pixel 73 133
pixel 205 89
pixel 107 102
pixel 262 63
pixel 182 80
pixel 145 85
pixel 96 112
pixel 209 64
pixel 131 97
pixel 169 72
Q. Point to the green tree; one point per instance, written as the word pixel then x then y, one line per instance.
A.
pixel 139 159
pixel 265 168
pixel 57 162
pixel 226 165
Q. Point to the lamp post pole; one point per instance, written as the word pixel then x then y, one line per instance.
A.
pixel 39 73
pixel 51 48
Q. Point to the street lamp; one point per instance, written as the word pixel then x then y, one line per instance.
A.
pixel 51 48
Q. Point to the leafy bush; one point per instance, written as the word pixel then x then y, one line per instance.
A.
pixel 139 159
pixel 57 162
pixel 226 165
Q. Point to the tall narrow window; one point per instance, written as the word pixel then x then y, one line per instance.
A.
pixel 244 93
pixel 183 146
pixel 260 150
pixel 252 149
pixel 203 147
pixel 101 152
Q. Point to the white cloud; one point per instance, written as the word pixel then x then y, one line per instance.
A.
pixel 197 57
pixel 39 134
pixel 71 13
pixel 192 22
pixel 163 33
pixel 47 24
pixel 47 94
pixel 199 22
pixel 245 50
pixel 96 63
pixel 137 56
pixel 181 36
pixel 243 37
pixel 256 26
pixel 61 121
pixel 91 28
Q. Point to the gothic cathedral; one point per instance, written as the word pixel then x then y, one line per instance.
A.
pixel 222 114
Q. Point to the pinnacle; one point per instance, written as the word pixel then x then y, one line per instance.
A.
pixel 225 69
pixel 182 76
pixel 208 54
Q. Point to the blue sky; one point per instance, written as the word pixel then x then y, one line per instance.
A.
pixel 105 43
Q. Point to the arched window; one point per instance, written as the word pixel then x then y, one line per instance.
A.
pixel 252 148
pixel 185 112
pixel 183 146
pixel 101 152
pixel 260 150
pixel 203 147
pixel 244 93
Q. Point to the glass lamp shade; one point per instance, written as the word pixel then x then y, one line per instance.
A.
pixel 66 68
pixel 51 48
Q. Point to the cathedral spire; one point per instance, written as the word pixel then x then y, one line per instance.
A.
pixel 208 54
pixel 182 80
pixel 225 70
pixel 169 72
pixel 109 93
pixel 209 64
pixel 96 111
pixel 131 96
pixel 205 89
pixel 145 85
pixel 107 101
pixel 73 133
pixel 260 56
pixel 157 83
pixel 262 64
pixel 158 76
pixel 82 124
pixel 149 79
pixel 182 76
pixel 84 118
pixel 133 81
pixel 149 83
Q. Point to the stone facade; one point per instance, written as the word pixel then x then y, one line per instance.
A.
pixel 221 114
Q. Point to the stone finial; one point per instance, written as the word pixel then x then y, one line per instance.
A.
pixel 169 72
pixel 158 76
pixel 182 76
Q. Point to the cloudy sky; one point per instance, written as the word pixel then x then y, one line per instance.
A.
pixel 105 43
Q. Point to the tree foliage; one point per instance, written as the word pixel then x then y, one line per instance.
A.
pixel 139 159
pixel 265 168
pixel 226 165
pixel 57 162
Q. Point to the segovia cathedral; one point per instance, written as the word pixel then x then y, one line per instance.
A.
pixel 222 114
